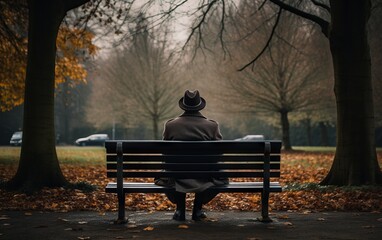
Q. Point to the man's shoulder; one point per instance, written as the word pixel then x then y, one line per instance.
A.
pixel 171 121
pixel 213 121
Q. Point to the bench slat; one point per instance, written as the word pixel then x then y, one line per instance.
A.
pixel 192 158
pixel 192 174
pixel 192 166
pixel 230 188
pixel 192 147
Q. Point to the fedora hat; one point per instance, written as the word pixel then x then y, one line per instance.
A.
pixel 192 101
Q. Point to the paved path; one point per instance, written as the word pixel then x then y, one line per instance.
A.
pixel 220 225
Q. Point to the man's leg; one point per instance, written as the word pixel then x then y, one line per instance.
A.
pixel 200 199
pixel 179 199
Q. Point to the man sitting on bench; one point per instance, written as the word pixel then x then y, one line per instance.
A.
pixel 191 126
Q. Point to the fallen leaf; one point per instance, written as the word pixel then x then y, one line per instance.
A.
pixel 131 225
pixel 379 219
pixel 82 222
pixel 288 224
pixel 183 226
pixel 63 219
pixel 83 238
pixel 149 228
pixel 321 219
pixel 368 226
pixel 4 218
pixel 283 216
pixel 28 214
pixel 211 220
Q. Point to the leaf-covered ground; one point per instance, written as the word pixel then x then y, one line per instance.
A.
pixel 300 171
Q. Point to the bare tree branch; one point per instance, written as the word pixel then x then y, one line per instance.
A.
pixel 321 22
pixel 201 22
pixel 267 43
pixel 320 4
pixel 71 4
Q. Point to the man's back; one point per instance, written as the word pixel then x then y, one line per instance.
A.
pixel 192 126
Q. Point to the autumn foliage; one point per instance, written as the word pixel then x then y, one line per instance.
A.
pixel 73 47
pixel 301 171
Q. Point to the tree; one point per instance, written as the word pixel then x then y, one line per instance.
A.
pixel 138 82
pixel 285 78
pixel 375 38
pixel 355 161
pixel 38 166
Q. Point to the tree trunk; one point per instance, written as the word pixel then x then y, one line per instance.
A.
pixel 155 128
pixel 38 166
pixel 285 130
pixel 355 161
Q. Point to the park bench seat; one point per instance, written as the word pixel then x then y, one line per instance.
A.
pixel 256 161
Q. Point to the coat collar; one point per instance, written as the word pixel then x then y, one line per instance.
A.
pixel 192 114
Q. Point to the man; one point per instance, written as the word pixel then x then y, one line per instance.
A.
pixel 191 126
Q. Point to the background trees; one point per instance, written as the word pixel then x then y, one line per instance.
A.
pixel 138 83
pixel 286 79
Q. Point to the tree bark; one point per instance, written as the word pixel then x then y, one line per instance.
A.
pixel 285 130
pixel 39 166
pixel 355 161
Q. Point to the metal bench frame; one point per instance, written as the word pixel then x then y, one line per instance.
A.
pixel 259 160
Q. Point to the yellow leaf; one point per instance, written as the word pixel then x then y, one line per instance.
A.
pixel 149 228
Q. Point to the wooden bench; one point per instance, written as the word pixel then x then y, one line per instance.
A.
pixel 258 160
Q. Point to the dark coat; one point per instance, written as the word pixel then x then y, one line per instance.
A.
pixel 191 126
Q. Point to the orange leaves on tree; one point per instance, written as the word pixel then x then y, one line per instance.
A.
pixel 12 75
pixel 74 46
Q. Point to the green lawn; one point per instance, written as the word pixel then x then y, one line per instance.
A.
pixel 67 154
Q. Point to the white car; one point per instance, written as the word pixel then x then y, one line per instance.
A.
pixel 93 140
pixel 16 139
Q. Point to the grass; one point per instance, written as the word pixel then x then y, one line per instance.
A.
pixel 66 155
pixel 315 149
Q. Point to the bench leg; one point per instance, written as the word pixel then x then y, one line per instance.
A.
pixel 264 208
pixel 121 210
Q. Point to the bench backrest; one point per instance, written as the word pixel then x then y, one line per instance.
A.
pixel 193 159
